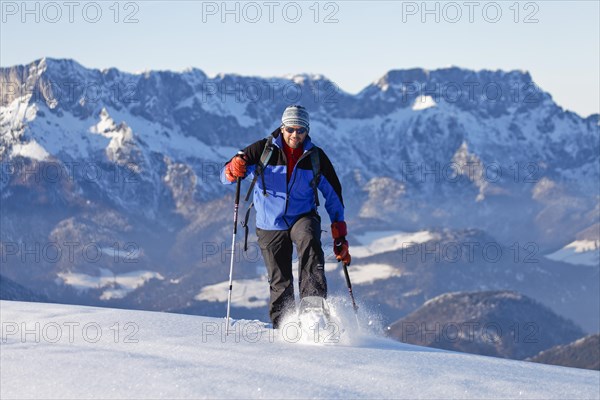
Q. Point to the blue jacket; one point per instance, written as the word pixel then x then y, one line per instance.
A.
pixel 286 202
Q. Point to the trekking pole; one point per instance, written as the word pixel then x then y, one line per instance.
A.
pixel 349 284
pixel 235 221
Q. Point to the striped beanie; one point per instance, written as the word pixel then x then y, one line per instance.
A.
pixel 295 115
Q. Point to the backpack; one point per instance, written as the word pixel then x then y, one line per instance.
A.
pixel 260 167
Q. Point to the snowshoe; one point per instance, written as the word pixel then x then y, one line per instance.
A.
pixel 315 320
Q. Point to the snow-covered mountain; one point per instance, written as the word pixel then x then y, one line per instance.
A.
pixel 59 351
pixel 445 135
pixel 110 193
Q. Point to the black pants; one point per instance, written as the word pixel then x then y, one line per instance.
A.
pixel 276 248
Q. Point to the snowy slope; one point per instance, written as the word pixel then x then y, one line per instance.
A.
pixel 579 252
pixel 158 355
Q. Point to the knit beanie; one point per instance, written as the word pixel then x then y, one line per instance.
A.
pixel 295 115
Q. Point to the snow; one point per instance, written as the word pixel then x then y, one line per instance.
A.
pixel 249 293
pixel 178 146
pixel 230 102
pixel 300 79
pixel 31 149
pixel 579 252
pixel 423 102
pixel 377 242
pixel 581 246
pixel 120 136
pixel 116 286
pixel 369 273
pixel 56 351
pixel 105 124
pixel 329 266
pixel 81 139
pixel 65 135
pixel 18 110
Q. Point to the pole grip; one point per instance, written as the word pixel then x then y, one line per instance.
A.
pixel 241 154
pixel 236 205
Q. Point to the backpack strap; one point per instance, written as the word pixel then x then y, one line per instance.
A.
pixel 315 160
pixel 264 160
pixel 260 167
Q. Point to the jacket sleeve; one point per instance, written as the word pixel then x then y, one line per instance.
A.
pixel 331 188
pixel 253 152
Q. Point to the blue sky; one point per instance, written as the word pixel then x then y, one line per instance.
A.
pixel 556 41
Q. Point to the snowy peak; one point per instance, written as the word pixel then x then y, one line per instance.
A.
pixel 451 74
pixel 399 76
pixel 124 148
pixel 494 93
pixel 422 115
pixel 302 77
pixel 105 125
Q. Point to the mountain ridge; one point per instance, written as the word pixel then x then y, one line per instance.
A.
pixel 495 323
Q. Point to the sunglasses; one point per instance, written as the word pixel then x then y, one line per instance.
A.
pixel 300 131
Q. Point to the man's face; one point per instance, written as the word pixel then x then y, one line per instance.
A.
pixel 292 135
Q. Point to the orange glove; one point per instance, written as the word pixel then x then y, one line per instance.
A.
pixel 340 248
pixel 340 244
pixel 236 168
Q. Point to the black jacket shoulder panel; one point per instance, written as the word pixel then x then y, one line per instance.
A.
pixel 254 151
pixel 328 172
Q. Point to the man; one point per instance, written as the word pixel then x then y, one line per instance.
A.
pixel 286 201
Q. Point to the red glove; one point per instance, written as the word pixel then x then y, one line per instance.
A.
pixel 340 244
pixel 235 169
